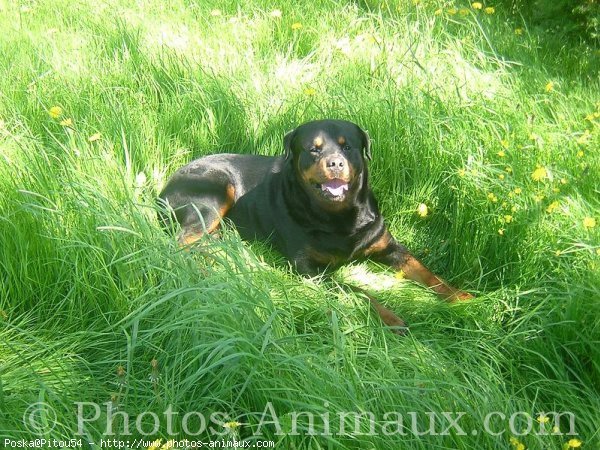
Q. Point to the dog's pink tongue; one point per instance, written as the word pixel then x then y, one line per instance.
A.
pixel 335 187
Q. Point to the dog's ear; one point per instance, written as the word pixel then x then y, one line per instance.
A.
pixel 366 145
pixel 287 142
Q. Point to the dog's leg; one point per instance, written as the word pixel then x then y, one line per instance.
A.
pixel 413 269
pixel 389 252
pixel 202 214
pixel 396 324
pixel 192 234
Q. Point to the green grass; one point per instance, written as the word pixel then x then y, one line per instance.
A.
pixel 92 291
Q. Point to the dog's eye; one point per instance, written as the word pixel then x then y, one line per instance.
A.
pixel 315 150
pixel 347 148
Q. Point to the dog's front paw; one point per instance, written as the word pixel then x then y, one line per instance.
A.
pixel 459 295
pixel 396 324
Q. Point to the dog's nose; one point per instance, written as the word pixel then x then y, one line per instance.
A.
pixel 335 162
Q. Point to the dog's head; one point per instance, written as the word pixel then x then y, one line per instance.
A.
pixel 329 157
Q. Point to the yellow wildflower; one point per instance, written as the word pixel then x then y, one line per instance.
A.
pixel 67 122
pixel 296 26
pixel 95 137
pixel 543 418
pixel 55 112
pixel 563 181
pixel 452 11
pixel 517 190
pixel 492 197
pixel 589 222
pixel 592 116
pixel 539 174
pixel 555 429
pixel 477 5
pixel 501 154
pixel 552 206
pixel 539 197
pixel 490 10
pixel 400 275
pixel 501 176
pixel 232 425
pixel 370 39
pixel 462 172
pixel 549 86
pixel 508 218
pixel 508 169
pixel 463 12
pixel 573 443
pixel 422 210
pixel 585 137
pixel 504 143
pixel 518 445
pixel 310 91
pixel 580 154
pixel 438 12
pixel 518 31
pixel 501 231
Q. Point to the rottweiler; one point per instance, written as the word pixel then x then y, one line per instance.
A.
pixel 313 204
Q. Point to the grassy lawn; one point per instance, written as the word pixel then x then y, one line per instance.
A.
pixel 491 122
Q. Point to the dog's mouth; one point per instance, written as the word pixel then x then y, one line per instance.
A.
pixel 335 189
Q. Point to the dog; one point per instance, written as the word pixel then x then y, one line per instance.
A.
pixel 313 204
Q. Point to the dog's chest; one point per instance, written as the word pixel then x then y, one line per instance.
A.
pixel 331 250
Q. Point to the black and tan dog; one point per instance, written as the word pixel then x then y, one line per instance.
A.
pixel 314 204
